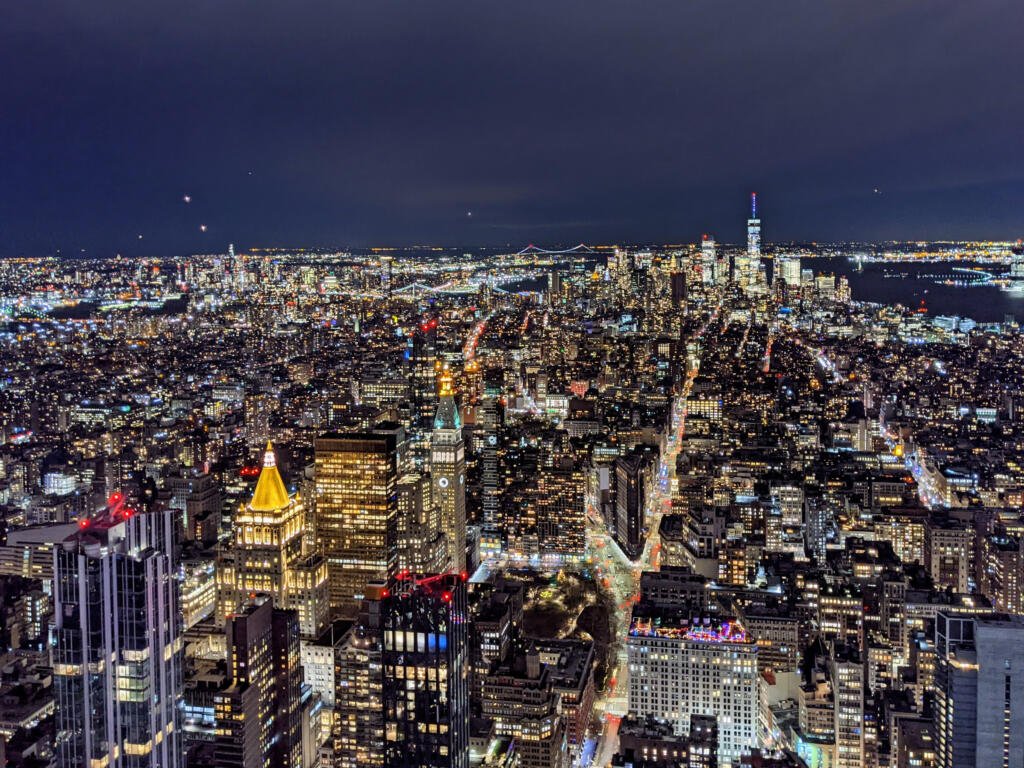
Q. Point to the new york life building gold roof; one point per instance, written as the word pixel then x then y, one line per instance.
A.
pixel 270 493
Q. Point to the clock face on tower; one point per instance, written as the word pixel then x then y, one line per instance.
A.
pixel 443 482
pixel 492 439
pixel 462 479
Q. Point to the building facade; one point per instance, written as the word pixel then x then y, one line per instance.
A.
pixel 117 657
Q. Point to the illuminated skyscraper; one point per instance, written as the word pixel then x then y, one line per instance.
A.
pixel 561 516
pixel 753 229
pixel 358 733
pixel 117 656
pixel 708 262
pixel 266 557
pixel 258 713
pixel 356 479
pixel 787 268
pixel 491 420
pixel 847 677
pixel 421 544
pixel 426 673
pixel 448 471
pixel 387 275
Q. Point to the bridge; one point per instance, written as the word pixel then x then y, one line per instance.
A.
pixel 533 250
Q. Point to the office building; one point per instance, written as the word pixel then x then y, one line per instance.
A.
pixel 630 505
pixel 422 547
pixel 356 479
pixel 423 365
pixel 847 678
pixel 258 713
pixel 490 416
pixel 358 729
pixel 521 698
pixel 753 230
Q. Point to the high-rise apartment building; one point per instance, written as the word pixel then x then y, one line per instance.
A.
pixel 117 653
pixel 448 471
pixel 356 482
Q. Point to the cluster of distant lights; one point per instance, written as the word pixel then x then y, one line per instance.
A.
pixel 728 632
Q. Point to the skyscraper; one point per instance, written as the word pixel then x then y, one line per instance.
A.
pixel 422 547
pixel 260 706
pixel 356 478
pixel 358 733
pixel 708 260
pixel 266 555
pixel 117 657
pixel 426 673
pixel 753 229
pixel 788 269
pixel 448 470
pixel 847 676
pixel 979 690
pixel 561 516
pixel 421 355
pixel 490 502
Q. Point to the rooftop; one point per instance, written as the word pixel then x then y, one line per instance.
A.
pixel 270 493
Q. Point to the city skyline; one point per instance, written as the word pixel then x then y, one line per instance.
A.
pixel 579 384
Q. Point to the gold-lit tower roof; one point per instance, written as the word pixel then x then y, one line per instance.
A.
pixel 447 414
pixel 270 493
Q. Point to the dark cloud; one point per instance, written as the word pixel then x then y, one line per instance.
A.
pixel 342 122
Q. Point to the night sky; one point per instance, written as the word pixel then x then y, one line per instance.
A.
pixel 356 122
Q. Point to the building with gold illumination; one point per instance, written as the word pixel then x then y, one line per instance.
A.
pixel 356 482
pixel 266 556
